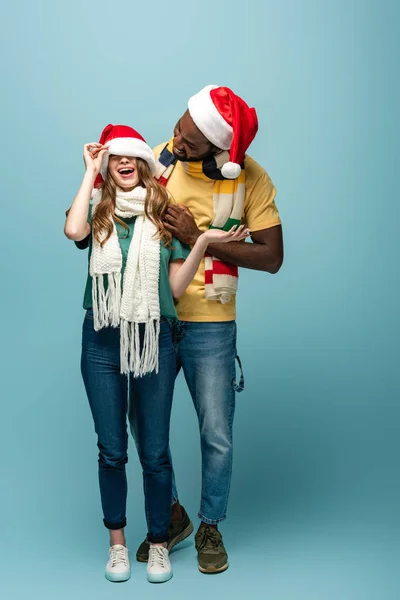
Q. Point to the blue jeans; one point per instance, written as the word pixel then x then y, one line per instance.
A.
pixel 147 401
pixel 207 355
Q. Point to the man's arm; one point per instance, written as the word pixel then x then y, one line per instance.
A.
pixel 265 254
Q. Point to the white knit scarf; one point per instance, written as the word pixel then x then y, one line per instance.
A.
pixel 139 301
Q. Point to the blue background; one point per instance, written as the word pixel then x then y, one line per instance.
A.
pixel 315 494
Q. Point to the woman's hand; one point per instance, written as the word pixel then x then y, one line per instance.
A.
pixel 93 155
pixel 76 226
pixel 182 275
pixel 218 236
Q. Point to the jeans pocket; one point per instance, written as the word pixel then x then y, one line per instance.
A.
pixel 89 314
pixel 239 387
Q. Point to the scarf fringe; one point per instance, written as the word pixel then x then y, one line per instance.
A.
pixel 106 304
pixel 136 359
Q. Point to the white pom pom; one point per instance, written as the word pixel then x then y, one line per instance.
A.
pixel 231 170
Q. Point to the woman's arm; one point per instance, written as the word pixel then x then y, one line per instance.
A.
pixel 182 272
pixel 76 226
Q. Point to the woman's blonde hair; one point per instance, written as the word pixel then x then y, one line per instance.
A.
pixel 156 205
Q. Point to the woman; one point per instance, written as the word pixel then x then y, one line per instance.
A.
pixel 136 269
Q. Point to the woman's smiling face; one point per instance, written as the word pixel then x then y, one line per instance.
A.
pixel 124 172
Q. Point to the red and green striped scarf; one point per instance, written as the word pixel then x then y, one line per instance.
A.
pixel 221 279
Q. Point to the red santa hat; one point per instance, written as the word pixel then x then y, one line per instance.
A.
pixel 122 140
pixel 227 122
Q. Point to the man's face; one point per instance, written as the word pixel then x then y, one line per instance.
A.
pixel 189 143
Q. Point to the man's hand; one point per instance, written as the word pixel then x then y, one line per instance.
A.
pixel 180 222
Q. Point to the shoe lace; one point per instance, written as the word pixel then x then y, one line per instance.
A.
pixel 157 556
pixel 211 539
pixel 118 555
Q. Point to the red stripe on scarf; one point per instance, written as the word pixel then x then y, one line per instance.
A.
pixel 163 181
pixel 208 276
pixel 221 268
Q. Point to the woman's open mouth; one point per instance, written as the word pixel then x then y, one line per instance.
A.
pixel 126 172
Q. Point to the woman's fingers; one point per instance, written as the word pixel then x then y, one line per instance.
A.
pixel 93 149
pixel 93 145
pixel 243 231
pixel 236 231
pixel 225 236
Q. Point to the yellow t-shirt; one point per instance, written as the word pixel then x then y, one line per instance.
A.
pixel 260 212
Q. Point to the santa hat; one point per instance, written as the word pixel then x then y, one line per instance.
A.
pixel 122 140
pixel 227 122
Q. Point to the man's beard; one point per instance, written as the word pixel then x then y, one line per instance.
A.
pixel 209 154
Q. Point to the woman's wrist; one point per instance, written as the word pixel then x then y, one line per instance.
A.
pixel 90 174
pixel 202 242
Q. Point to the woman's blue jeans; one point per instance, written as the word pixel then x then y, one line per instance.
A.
pixel 147 401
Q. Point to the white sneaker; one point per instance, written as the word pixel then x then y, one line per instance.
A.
pixel 118 567
pixel 159 567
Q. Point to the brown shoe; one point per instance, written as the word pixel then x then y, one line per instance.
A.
pixel 178 531
pixel 211 553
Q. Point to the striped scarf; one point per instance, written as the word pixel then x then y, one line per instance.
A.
pixel 221 279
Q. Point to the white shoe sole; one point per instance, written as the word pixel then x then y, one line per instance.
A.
pixel 118 577
pixel 159 577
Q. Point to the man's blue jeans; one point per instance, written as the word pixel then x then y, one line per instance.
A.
pixel 207 355
pixel 148 402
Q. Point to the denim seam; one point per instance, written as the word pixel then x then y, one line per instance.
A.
pixel 211 521
pixel 231 417
pixel 126 444
pixel 157 539
pixel 114 526
pixel 148 515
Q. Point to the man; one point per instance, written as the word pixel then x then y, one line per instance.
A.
pixel 213 187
